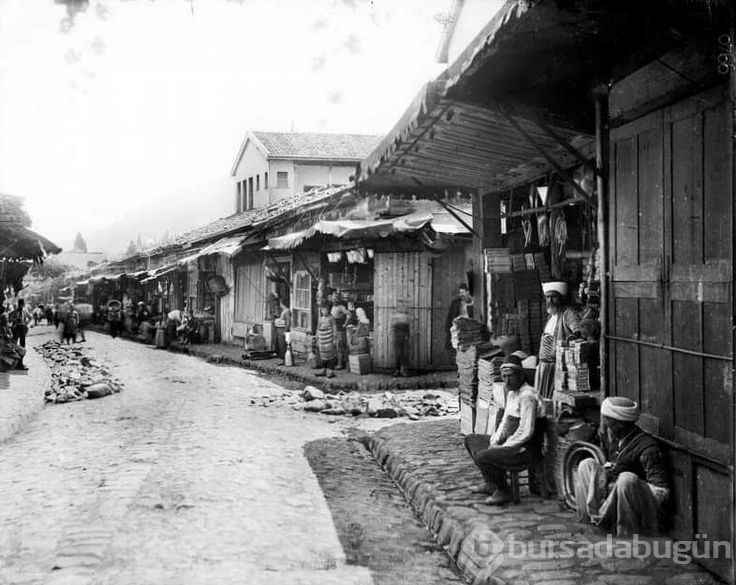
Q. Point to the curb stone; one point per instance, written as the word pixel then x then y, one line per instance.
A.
pixel 26 395
pixel 410 458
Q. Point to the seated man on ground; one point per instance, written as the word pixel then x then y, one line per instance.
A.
pixel 516 441
pixel 628 493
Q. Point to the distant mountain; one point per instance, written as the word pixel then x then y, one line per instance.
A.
pixel 170 214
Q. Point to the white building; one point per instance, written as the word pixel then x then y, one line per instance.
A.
pixel 274 165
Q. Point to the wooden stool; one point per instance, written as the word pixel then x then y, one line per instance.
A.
pixel 539 468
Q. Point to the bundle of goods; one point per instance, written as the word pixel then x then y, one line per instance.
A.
pixel 468 332
pixel 75 376
pixel 578 378
pixel 498 260
pixel 486 377
pixel 467 374
pixel 518 262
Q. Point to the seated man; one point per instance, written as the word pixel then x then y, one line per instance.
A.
pixel 627 493
pixel 517 439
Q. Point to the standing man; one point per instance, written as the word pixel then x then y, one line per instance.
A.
pixel 461 306
pixel 628 493
pixel 563 323
pixel 400 332
pixel 517 440
pixel 19 319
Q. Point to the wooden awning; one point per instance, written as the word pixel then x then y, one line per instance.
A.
pixel 443 143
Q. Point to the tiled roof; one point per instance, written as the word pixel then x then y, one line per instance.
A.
pixel 326 146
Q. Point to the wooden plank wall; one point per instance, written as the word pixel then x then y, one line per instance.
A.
pixel 403 276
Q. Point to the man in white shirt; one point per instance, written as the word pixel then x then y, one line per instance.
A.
pixel 517 438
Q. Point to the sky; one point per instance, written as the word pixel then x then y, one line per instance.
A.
pixel 133 108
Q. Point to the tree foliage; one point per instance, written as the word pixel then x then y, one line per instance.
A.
pixel 131 249
pixel 11 209
pixel 79 243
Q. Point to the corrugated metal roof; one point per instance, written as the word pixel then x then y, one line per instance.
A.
pixel 349 147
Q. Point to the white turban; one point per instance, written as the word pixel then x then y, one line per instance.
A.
pixel 557 286
pixel 620 408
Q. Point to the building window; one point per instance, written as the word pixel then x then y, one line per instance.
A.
pixel 250 193
pixel 239 200
pixel 301 308
pixel 258 182
pixel 265 180
pixel 282 180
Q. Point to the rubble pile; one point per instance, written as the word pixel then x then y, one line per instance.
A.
pixel 75 376
pixel 411 404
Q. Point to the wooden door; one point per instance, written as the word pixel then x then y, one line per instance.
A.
pixel 407 277
pixel 670 319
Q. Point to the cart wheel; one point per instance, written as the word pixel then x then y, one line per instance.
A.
pixel 574 454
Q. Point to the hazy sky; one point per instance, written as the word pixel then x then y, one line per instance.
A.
pixel 133 100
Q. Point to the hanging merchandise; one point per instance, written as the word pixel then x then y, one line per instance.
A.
pixel 543 229
pixel 334 256
pixel 558 241
pixel 370 253
pixel 526 226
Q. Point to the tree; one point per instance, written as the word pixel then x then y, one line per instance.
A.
pixel 139 243
pixel 79 243
pixel 131 249
pixel 11 209
pixel 52 268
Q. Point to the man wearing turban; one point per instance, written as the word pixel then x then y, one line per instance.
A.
pixel 517 440
pixel 628 493
pixel 563 322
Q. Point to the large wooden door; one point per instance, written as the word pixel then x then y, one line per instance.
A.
pixel 670 318
pixel 402 277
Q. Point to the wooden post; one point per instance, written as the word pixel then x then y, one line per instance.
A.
pixel 732 95
pixel 601 162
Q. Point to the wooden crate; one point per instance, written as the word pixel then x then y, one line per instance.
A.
pixel 359 363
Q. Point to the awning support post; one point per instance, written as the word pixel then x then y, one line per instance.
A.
pixel 567 146
pixel 553 163
pixel 455 215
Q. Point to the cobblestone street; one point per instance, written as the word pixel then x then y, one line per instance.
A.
pixel 175 480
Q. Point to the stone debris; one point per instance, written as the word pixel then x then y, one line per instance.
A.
pixel 75 376
pixel 411 404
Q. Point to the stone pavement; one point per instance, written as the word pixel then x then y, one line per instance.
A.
pixel 176 480
pixel 21 392
pixel 431 466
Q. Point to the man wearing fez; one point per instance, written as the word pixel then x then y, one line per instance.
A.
pixel 563 323
pixel 628 493
pixel 517 439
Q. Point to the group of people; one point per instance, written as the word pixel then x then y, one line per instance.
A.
pixel 627 494
pixel 14 323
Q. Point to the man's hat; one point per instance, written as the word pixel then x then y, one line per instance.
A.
pixel 620 408
pixel 512 362
pixel 555 286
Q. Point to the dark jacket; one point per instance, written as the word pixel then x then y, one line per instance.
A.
pixel 639 453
